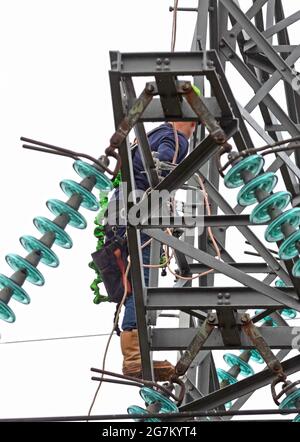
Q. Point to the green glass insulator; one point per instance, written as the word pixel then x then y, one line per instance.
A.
pixel 6 313
pixel 267 319
pixel 70 188
pixel 274 232
pixel 58 207
pixel 232 360
pixel 17 262
pixel 86 170
pixel 278 200
pixel 18 293
pixel 291 400
pixel 253 164
pixel 48 257
pixel 135 409
pixel 225 376
pixel 296 269
pixel 45 225
pixel 151 396
pixel 289 248
pixel 247 194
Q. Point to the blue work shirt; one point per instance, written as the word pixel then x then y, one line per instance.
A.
pixel 162 141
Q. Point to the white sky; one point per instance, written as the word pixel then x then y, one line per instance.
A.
pixel 54 87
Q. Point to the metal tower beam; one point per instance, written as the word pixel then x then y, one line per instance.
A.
pixel 224 34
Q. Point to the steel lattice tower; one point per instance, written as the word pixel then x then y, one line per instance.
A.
pixel 249 314
pixel 224 35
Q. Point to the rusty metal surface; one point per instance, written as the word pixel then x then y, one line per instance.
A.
pixel 195 346
pixel 127 124
pixel 287 388
pixel 203 113
pixel 254 334
pixel 166 388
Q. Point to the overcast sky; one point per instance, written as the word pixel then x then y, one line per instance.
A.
pixel 54 87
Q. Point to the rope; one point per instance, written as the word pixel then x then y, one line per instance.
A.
pixel 210 233
pixel 58 338
pixel 109 339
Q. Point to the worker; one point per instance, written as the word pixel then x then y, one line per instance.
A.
pixel 162 141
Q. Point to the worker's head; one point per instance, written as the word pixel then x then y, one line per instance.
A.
pixel 186 127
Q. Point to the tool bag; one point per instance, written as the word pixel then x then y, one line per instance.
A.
pixel 111 262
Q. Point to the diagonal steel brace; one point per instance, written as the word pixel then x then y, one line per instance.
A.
pixel 202 112
pixel 141 103
pixel 253 333
pixel 195 346
pixel 128 122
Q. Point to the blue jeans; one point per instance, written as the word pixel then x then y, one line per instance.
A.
pixel 129 319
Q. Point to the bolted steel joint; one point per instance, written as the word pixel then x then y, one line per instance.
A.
pixel 186 86
pixel 245 318
pixel 211 318
pixel 149 88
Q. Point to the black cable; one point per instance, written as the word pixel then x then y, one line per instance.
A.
pixel 183 414
pixel 50 148
pixel 55 338
pixel 117 381
pixel 270 250
pixel 278 143
pixel 281 149
pixel 268 148
pixel 40 149
pixel 256 254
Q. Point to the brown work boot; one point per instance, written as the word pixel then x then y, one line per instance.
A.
pixel 132 358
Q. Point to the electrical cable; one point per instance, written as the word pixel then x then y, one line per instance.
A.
pixel 267 148
pixel 110 337
pixel 210 233
pixel 182 414
pixel 50 148
pixel 174 26
pixel 58 338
